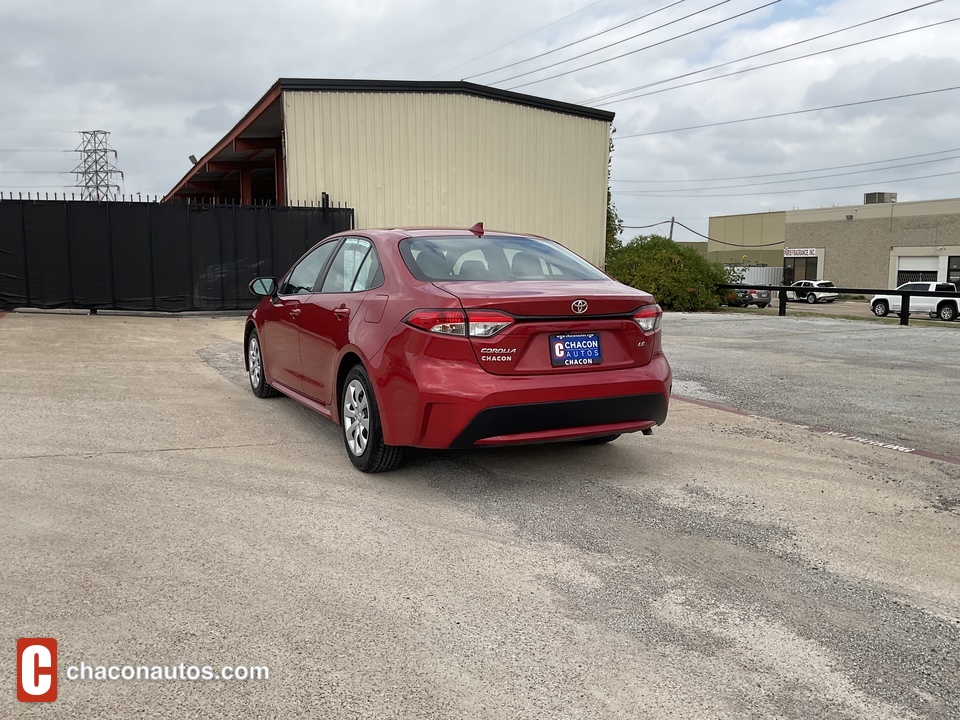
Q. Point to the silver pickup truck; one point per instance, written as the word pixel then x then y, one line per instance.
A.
pixel 945 308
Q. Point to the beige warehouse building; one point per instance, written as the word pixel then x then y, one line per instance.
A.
pixel 407 154
pixel 880 244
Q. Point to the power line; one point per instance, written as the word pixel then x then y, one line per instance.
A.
pixel 789 192
pixel 522 37
pixel 634 52
pixel 785 114
pixel 778 62
pixel 644 227
pixel 35 150
pixel 577 42
pixel 595 100
pixel 651 193
pixel 610 45
pixel 797 172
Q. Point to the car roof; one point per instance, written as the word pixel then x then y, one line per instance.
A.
pixel 412 232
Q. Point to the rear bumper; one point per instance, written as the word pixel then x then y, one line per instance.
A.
pixel 460 405
pixel 561 420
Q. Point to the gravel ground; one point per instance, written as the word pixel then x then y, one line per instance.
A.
pixel 152 511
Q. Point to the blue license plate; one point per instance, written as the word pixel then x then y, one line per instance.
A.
pixel 579 349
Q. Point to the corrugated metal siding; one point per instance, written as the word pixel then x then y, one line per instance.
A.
pixel 414 159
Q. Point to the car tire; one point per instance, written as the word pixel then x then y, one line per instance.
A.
pixel 360 422
pixel 600 439
pixel 880 308
pixel 811 297
pixel 763 305
pixel 255 371
pixel 831 300
pixel 947 311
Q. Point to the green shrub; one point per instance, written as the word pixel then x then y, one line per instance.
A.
pixel 679 277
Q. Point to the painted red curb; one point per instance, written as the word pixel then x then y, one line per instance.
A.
pixel 895 447
pixel 1 315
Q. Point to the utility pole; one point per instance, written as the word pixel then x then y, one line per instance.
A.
pixel 672 220
pixel 95 172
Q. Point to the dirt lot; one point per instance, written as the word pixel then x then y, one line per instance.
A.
pixel 153 512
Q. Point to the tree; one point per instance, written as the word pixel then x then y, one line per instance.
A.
pixel 614 223
pixel 679 277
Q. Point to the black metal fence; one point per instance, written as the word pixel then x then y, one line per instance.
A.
pixel 904 313
pixel 149 256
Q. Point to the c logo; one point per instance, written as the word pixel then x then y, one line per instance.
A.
pixel 579 306
pixel 36 669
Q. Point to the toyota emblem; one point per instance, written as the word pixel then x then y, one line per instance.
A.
pixel 579 306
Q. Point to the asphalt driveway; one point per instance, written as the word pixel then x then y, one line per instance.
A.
pixel 153 512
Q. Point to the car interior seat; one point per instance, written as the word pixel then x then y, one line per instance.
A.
pixel 472 270
pixel 526 265
pixel 433 264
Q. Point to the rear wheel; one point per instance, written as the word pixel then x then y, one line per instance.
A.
pixel 763 305
pixel 947 311
pixel 880 308
pixel 811 298
pixel 831 300
pixel 258 380
pixel 360 420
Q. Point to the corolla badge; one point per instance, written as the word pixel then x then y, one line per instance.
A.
pixel 579 306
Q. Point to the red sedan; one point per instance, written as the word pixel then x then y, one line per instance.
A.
pixel 457 339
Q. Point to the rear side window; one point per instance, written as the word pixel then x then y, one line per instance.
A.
pixel 495 258
pixel 355 267
pixel 945 288
pixel 827 284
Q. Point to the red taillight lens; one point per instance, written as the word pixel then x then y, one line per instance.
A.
pixel 487 323
pixel 648 317
pixel 482 323
pixel 446 322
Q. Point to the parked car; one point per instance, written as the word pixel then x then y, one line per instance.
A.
pixel 812 291
pixel 945 308
pixel 449 338
pixel 743 298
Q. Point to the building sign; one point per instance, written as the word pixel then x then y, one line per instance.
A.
pixel 799 252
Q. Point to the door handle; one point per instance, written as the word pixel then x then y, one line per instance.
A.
pixel 342 313
pixel 294 312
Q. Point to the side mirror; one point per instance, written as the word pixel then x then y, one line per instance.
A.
pixel 263 286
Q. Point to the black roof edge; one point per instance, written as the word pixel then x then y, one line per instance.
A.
pixel 460 87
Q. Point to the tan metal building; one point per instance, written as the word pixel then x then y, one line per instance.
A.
pixel 880 244
pixel 418 154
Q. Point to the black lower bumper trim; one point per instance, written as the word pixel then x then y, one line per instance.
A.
pixel 562 415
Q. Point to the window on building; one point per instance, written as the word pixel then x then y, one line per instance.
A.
pixel 799 268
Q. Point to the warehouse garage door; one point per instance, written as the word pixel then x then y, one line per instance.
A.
pixel 917 269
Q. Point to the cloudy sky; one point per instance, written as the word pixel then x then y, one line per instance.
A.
pixel 168 79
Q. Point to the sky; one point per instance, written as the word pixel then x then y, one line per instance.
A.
pixel 169 79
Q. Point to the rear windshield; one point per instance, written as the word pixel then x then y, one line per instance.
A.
pixel 826 283
pixel 494 258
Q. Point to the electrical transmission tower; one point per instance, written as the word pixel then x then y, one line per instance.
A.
pixel 95 173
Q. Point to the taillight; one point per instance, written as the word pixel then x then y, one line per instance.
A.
pixel 648 317
pixel 482 323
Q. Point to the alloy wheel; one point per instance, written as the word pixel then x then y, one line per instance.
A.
pixel 356 417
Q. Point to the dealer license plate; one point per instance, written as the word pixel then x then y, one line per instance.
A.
pixel 578 349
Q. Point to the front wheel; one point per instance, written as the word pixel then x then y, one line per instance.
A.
pixel 947 312
pixel 880 308
pixel 258 380
pixel 362 432
pixel 811 298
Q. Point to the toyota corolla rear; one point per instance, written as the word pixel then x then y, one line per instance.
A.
pixel 518 340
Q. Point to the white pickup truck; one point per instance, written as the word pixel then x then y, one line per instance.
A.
pixel 945 308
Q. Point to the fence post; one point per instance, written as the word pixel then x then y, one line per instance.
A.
pixel 782 305
pixel 905 310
